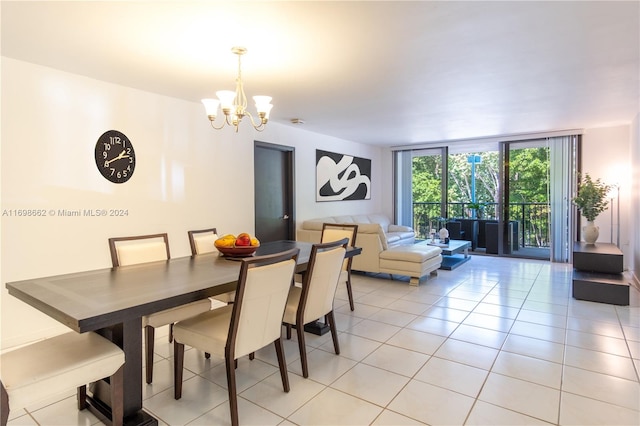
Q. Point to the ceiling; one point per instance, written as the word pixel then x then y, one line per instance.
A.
pixel 382 73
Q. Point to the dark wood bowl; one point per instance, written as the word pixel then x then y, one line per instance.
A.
pixel 238 251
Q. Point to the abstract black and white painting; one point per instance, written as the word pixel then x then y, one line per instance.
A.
pixel 342 177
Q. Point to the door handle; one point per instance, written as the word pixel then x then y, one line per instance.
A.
pixel 285 217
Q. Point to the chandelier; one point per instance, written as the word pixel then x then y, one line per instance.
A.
pixel 234 104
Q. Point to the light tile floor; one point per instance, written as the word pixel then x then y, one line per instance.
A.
pixel 495 342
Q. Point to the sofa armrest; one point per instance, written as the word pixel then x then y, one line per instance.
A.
pixel 369 259
pixel 400 228
pixel 309 235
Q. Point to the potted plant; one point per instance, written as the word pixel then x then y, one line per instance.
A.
pixel 478 208
pixel 591 201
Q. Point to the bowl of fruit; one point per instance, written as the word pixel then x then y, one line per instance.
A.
pixel 233 246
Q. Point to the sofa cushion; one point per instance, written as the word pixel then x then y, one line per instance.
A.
pixel 343 219
pixel 412 253
pixel 412 269
pixel 316 224
pixel 392 238
pixel 399 228
pixel 381 219
pixel 368 228
pixel 403 235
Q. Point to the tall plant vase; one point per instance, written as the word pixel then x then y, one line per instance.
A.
pixel 590 232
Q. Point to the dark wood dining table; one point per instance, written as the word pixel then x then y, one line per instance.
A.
pixel 112 302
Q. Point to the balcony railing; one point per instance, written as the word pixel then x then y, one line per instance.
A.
pixel 532 218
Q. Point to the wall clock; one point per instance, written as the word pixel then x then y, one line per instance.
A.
pixel 115 157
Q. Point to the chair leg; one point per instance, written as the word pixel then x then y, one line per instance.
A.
pixel 207 355
pixel 178 364
pixel 149 341
pixel 82 397
pixel 282 364
pixel 252 356
pixel 288 331
pixel 334 331
pixel 349 291
pixel 171 332
pixel 231 385
pixel 4 405
pixel 117 397
pixel 303 350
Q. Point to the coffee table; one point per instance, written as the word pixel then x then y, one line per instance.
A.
pixel 454 254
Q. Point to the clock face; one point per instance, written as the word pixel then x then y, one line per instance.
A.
pixel 115 157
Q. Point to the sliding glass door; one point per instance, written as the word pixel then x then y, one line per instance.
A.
pixel 517 194
pixel 526 210
pixel 537 185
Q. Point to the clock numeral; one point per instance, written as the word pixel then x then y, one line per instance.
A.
pixel 106 164
pixel 115 140
pixel 107 146
pixel 112 171
pixel 104 155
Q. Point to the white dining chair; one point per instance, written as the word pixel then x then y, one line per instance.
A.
pixel 203 241
pixel 314 299
pixel 334 232
pixel 50 367
pixel 151 248
pixel 252 322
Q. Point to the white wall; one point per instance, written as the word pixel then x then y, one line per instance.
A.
pixel 187 176
pixel 606 154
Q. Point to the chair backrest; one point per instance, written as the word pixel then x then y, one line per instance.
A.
pixel 338 231
pixel 139 249
pixel 261 296
pixel 202 240
pixel 321 280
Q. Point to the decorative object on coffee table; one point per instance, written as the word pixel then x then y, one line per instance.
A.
pixel 444 236
pixel 591 201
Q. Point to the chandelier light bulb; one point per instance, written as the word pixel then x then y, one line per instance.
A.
pixel 226 99
pixel 211 107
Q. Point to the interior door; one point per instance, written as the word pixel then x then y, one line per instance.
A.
pixel 274 192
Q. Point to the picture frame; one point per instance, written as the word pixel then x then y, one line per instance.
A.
pixel 342 177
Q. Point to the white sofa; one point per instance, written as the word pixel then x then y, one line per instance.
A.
pixel 386 247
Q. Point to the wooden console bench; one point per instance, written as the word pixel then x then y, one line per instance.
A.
pixel 597 274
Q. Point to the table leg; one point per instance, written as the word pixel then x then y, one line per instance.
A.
pixel 316 327
pixel 128 336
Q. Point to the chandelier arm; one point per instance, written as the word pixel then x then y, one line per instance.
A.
pixel 226 122
pixel 259 127
pixel 217 128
